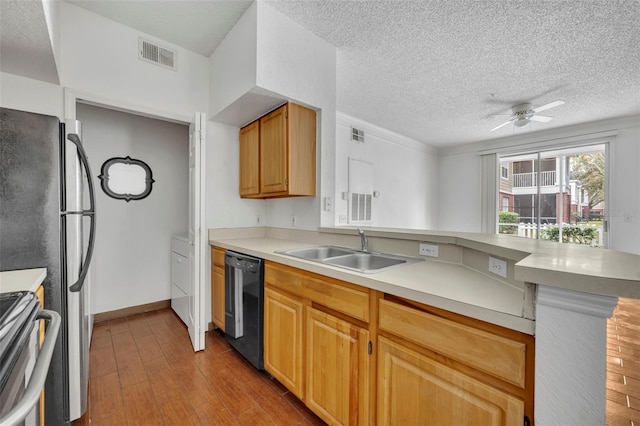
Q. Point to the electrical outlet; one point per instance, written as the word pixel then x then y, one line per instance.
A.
pixel 498 267
pixel 293 220
pixel 342 219
pixel 428 250
pixel 258 220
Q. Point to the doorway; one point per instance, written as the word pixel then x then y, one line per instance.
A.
pixel 132 258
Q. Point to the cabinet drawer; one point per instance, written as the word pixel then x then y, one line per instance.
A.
pixel 496 355
pixel 334 294
pixel 217 256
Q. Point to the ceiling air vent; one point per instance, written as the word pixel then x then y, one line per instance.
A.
pixel 151 52
pixel 357 135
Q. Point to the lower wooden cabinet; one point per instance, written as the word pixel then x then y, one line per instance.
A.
pixel 337 370
pixel 40 296
pixel 217 296
pixel 355 356
pixel 217 287
pixel 283 339
pixel 417 390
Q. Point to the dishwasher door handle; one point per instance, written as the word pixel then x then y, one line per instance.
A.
pixel 39 374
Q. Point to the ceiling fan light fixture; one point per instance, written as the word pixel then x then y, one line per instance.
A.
pixel 521 122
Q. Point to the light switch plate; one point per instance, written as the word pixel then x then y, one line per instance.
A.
pixel 328 205
pixel 498 266
pixel 428 250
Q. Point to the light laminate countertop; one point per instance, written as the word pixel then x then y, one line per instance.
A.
pixel 449 286
pixel 453 285
pixel 22 280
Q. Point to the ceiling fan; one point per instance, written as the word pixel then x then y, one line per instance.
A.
pixel 523 114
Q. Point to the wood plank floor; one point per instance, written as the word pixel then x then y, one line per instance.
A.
pixel 144 372
pixel 623 364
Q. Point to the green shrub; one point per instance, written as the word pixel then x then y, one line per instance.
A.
pixel 570 234
pixel 508 217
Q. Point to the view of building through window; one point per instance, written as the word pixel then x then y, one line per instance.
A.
pixel 555 195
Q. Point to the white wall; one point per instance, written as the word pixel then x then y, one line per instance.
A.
pixel 624 190
pixel 132 257
pixel 291 63
pixel 26 94
pixel 405 174
pixel 100 56
pixel 233 63
pixel 301 66
pixel 224 207
pixel 459 176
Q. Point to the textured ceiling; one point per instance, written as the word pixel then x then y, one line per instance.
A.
pixel 436 71
pixel 428 69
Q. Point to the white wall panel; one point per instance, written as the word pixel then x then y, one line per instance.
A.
pixel 26 94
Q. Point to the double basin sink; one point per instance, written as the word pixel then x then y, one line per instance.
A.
pixel 355 260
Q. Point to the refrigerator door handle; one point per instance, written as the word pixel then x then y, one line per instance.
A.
pixel 77 286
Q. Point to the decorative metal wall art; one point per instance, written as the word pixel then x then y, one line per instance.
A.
pixel 125 178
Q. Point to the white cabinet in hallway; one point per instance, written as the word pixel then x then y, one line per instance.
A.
pixel 180 277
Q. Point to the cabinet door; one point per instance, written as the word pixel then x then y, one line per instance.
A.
pixel 415 389
pixel 283 339
pixel 250 159
pixel 273 147
pixel 337 369
pixel 40 296
pixel 217 296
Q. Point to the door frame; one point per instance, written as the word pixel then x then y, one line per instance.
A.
pixel 73 96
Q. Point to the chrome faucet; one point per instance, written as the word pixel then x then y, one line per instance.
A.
pixel 364 241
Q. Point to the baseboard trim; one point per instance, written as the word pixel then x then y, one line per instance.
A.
pixel 132 310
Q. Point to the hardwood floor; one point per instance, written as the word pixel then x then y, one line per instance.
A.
pixel 623 364
pixel 144 372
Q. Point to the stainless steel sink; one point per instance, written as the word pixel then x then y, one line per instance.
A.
pixel 317 253
pixel 365 262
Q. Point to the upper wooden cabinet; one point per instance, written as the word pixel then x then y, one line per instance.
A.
pixel 278 154
pixel 250 160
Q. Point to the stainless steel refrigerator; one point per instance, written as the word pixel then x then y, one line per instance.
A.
pixel 47 219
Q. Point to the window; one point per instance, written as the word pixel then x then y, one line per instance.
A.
pixel 555 195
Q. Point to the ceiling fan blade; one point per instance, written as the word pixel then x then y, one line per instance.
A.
pixel 541 118
pixel 503 124
pixel 548 106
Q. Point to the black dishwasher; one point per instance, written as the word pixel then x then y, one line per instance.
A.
pixel 243 305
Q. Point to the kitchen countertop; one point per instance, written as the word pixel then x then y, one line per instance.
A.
pixel 22 280
pixel 445 285
pixel 453 285
pixel 568 266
